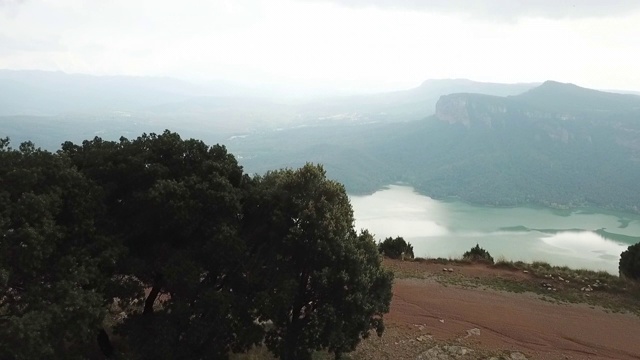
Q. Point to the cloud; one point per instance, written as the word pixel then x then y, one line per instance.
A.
pixel 10 45
pixel 10 7
pixel 4 3
pixel 509 10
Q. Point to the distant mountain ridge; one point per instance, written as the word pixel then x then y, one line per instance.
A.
pixel 77 106
pixel 553 144
pixel 549 100
pixel 556 145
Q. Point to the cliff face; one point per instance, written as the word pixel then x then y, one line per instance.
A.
pixel 472 109
pixel 453 109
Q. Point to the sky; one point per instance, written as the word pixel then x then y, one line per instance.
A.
pixel 333 45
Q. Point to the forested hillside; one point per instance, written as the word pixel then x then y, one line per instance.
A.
pixel 554 144
pixel 557 145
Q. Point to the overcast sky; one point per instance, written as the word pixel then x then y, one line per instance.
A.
pixel 349 45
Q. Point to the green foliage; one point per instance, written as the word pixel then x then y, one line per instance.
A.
pixel 197 255
pixel 395 248
pixel 175 205
pixel 478 254
pixel 324 287
pixel 54 264
pixel 629 265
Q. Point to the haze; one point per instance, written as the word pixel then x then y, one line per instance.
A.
pixel 338 46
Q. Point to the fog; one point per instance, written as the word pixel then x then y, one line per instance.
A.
pixel 336 46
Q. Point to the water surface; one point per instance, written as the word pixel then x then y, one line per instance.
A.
pixel 587 238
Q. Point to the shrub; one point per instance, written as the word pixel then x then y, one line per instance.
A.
pixel 394 248
pixel 629 265
pixel 478 254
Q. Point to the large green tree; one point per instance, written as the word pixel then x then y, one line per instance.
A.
pixel 197 255
pixel 54 265
pixel 323 285
pixel 176 206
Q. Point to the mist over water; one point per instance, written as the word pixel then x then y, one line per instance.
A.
pixel 448 229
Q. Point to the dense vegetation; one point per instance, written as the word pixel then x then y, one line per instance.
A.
pixel 534 148
pixel 629 264
pixel 478 254
pixel 396 248
pixel 554 145
pixel 196 258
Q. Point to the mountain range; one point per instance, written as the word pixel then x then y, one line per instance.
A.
pixel 556 145
pixel 552 144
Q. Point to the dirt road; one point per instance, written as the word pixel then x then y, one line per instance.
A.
pixel 516 322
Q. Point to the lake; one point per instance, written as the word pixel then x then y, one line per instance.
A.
pixel 587 238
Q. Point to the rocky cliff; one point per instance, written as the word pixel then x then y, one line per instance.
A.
pixel 472 109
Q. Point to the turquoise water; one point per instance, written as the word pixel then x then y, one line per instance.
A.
pixel 589 238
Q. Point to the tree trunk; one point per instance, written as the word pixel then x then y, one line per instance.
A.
pixel 105 343
pixel 153 295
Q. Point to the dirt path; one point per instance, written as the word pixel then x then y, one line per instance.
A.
pixel 517 322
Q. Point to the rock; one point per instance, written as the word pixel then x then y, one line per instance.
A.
pixel 445 269
pixel 525 271
pixel 435 353
pixel 474 331
pixel 447 352
pixel 441 320
pixel 457 350
pixel 518 356
pixel 560 278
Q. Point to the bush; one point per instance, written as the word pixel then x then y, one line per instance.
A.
pixel 478 254
pixel 394 248
pixel 629 265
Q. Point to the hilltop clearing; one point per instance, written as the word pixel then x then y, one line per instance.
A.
pixel 438 314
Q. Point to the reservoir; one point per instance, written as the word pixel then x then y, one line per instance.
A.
pixel 587 238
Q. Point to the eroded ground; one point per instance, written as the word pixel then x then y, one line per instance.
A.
pixel 467 314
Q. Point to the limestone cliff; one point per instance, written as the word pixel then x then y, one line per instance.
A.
pixel 472 109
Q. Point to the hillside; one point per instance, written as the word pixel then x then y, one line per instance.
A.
pixel 554 144
pixel 557 145
pixel 52 107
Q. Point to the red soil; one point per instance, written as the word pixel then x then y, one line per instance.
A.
pixel 509 321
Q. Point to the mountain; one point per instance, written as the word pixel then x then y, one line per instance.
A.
pixel 47 93
pixel 29 92
pixel 556 145
pixel 51 107
pixel 573 99
pixel 553 144
pixel 401 106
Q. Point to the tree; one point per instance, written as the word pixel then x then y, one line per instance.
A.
pixel 395 247
pixel 478 254
pixel 322 284
pixel 629 265
pixel 55 266
pixel 176 206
